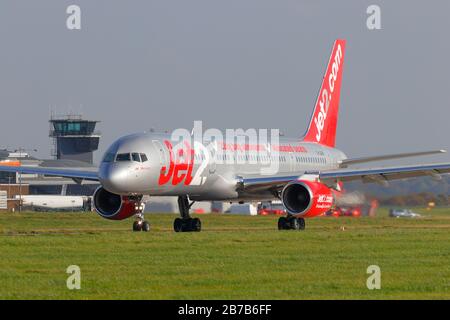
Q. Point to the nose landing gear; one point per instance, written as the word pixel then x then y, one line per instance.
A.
pixel 291 223
pixel 186 223
pixel 140 224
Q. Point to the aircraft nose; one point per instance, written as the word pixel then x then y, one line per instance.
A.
pixel 113 178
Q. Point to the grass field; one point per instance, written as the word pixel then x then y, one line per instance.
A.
pixel 235 257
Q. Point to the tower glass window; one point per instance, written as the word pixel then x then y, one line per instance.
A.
pixel 74 138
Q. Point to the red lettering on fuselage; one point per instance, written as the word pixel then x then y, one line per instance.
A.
pixel 289 148
pixel 260 147
pixel 181 159
pixel 180 165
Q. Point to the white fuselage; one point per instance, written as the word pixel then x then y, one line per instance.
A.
pixel 207 171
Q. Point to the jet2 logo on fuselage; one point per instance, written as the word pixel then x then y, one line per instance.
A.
pixel 180 167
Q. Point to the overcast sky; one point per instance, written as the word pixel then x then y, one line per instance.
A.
pixel 135 65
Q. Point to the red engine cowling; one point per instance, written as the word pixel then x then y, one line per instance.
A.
pixel 113 206
pixel 307 198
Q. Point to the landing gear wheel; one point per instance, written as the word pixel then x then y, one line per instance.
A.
pixel 196 225
pixel 178 225
pixel 145 226
pixel 139 207
pixel 137 226
pixel 282 223
pixel 291 223
pixel 294 224
pixel 186 223
pixel 301 223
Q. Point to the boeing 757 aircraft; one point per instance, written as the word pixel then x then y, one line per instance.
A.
pixel 310 170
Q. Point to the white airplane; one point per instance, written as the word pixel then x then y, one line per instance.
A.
pixel 309 176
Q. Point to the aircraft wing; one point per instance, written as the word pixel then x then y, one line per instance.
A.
pixel 332 177
pixel 265 183
pixel 384 174
pixel 350 161
pixel 77 175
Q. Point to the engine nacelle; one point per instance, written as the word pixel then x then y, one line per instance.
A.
pixel 113 206
pixel 305 198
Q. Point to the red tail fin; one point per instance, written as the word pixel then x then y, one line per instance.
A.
pixel 322 128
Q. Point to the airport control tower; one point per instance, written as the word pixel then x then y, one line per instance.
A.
pixel 74 138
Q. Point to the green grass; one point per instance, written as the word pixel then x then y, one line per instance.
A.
pixel 235 257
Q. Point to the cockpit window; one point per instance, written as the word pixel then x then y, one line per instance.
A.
pixel 136 157
pixel 143 157
pixel 109 157
pixel 123 157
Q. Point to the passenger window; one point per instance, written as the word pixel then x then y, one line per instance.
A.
pixel 136 157
pixel 123 157
pixel 143 157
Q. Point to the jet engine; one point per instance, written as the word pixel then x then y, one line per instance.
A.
pixel 304 198
pixel 113 206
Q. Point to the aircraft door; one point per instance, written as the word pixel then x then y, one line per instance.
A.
pixel 212 159
pixel 293 163
pixel 161 152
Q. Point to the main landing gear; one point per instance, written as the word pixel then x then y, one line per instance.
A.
pixel 291 223
pixel 186 223
pixel 140 224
